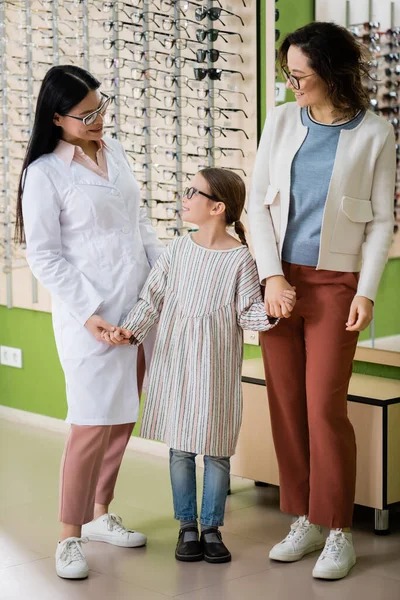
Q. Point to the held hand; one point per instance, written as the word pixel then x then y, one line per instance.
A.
pixel 289 298
pixel 360 316
pixel 275 304
pixel 96 325
pixel 118 337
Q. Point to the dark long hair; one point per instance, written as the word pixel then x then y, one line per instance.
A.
pixel 228 187
pixel 337 57
pixel 62 89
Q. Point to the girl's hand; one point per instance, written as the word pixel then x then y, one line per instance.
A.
pixel 275 304
pixel 289 298
pixel 361 313
pixel 97 325
pixel 118 337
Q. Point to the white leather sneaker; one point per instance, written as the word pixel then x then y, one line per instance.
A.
pixel 110 529
pixel 337 558
pixel 304 537
pixel 70 560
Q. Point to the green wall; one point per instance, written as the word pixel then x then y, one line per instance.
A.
pixel 39 386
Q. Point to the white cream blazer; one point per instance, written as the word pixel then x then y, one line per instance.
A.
pixel 357 224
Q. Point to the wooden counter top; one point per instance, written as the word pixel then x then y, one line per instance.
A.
pixel 363 388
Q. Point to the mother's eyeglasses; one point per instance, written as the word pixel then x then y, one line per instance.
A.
pixel 91 118
pixel 294 81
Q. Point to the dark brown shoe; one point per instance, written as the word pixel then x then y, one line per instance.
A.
pixel 188 551
pixel 214 552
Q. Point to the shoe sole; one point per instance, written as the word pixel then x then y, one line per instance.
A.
pixel 76 577
pixel 218 559
pixel 186 558
pixel 299 556
pixel 333 576
pixel 98 538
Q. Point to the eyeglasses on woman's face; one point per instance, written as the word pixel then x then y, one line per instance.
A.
pixel 293 79
pixel 91 118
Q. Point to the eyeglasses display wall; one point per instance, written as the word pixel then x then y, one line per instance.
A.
pixel 181 76
pixel 383 85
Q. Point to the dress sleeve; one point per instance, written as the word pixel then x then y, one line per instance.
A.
pixel 250 307
pixel 147 310
pixel 41 207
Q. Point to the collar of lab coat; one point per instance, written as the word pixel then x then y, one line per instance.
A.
pixel 66 152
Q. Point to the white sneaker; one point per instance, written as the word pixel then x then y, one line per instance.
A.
pixel 70 560
pixel 304 537
pixel 109 528
pixel 337 558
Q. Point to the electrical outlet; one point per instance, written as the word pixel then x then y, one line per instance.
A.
pixel 251 337
pixel 11 357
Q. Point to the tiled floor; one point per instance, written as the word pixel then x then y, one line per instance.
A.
pixel 29 462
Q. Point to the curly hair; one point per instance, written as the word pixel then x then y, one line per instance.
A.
pixel 337 57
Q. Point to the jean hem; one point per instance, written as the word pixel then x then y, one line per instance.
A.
pixel 211 523
pixel 185 517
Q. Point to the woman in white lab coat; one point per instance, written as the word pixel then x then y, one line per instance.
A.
pixel 90 244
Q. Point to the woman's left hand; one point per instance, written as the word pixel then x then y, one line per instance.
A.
pixel 361 312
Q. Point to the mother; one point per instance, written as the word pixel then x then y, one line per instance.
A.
pixel 321 219
pixel 91 246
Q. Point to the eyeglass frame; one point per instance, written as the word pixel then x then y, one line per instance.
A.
pixel 95 112
pixel 293 78
pixel 193 190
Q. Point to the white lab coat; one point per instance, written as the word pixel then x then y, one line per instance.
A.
pixel 92 247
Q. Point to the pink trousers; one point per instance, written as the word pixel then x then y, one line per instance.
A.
pixel 90 465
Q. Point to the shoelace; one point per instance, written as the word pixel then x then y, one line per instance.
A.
pixel 115 522
pixel 334 546
pixel 72 550
pixel 299 528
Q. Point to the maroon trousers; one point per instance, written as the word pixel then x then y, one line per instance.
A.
pixel 308 364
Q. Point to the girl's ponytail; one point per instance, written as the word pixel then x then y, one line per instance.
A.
pixel 241 232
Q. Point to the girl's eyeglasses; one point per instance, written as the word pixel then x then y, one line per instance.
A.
pixel 294 81
pixel 91 118
pixel 191 191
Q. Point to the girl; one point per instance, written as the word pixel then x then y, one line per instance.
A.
pixel 204 290
pixel 91 246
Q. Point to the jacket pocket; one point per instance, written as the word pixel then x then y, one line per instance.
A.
pixel 272 201
pixel 349 231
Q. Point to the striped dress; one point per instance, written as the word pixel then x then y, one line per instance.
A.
pixel 202 299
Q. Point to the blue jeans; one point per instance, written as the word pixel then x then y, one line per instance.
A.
pixel 215 488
